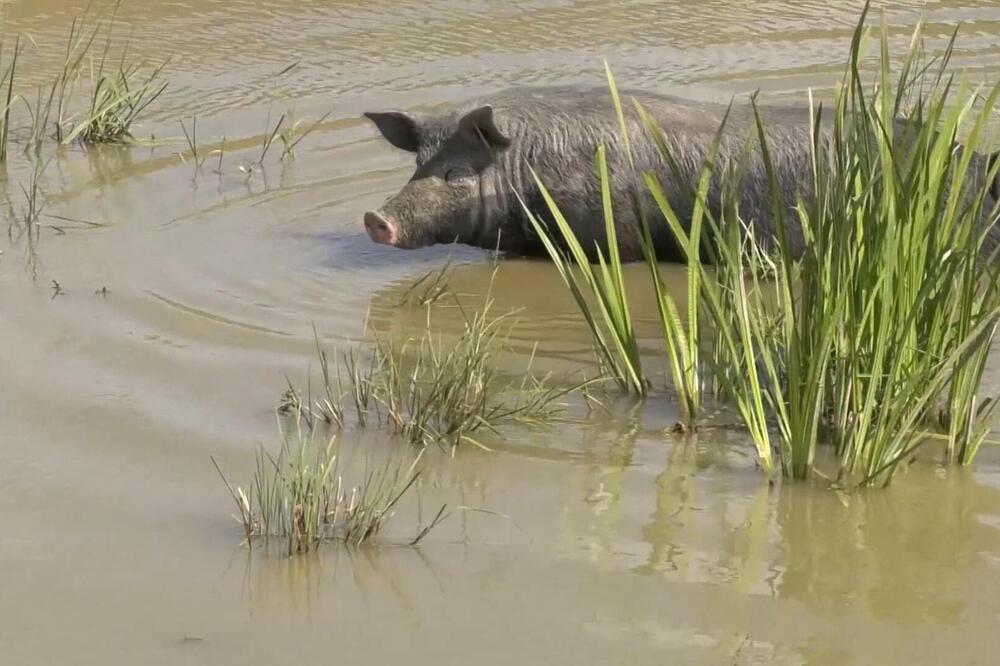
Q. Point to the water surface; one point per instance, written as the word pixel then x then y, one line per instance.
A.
pixel 185 299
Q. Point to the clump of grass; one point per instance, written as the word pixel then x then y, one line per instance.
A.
pixel 433 389
pixel 52 106
pixel 887 315
pixel 119 92
pixel 438 391
pixel 345 376
pixel 891 308
pixel 680 337
pixel 299 496
pixel 119 97
pixel 358 387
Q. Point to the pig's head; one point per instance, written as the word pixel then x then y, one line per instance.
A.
pixel 448 196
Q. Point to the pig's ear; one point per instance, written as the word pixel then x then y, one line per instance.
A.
pixel 398 128
pixel 480 122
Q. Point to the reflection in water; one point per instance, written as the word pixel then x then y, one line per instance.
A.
pixel 877 551
pixel 673 499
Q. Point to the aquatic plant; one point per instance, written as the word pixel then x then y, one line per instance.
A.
pixel 119 93
pixel 25 219
pixel 429 287
pixel 598 291
pixel 7 76
pixel 300 497
pixel 52 104
pixel 191 137
pixel 891 307
pixel 119 90
pixel 117 100
pixel 680 336
pixel 886 317
pixel 603 289
pixel 292 136
pixel 270 134
pixel 433 389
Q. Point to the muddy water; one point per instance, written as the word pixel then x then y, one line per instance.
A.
pixel 185 298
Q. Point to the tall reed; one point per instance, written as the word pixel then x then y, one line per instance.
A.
pixel 884 317
pixel 603 288
pixel 52 108
pixel 599 292
pixel 7 76
pixel 890 307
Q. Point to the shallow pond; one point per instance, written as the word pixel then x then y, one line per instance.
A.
pixel 154 320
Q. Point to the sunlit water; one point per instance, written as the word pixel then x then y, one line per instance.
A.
pixel 184 299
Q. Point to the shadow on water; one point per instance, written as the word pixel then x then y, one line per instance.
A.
pixel 355 251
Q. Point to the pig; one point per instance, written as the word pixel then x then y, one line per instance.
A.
pixel 472 180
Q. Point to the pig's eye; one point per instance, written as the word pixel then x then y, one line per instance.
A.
pixel 451 175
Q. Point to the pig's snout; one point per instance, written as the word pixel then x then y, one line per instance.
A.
pixel 379 228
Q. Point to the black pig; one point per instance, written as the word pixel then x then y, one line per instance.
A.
pixel 470 162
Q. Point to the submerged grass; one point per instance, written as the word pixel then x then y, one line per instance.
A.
pixel 300 498
pixel 886 317
pixel 434 389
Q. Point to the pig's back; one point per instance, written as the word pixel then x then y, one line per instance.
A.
pixel 593 104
